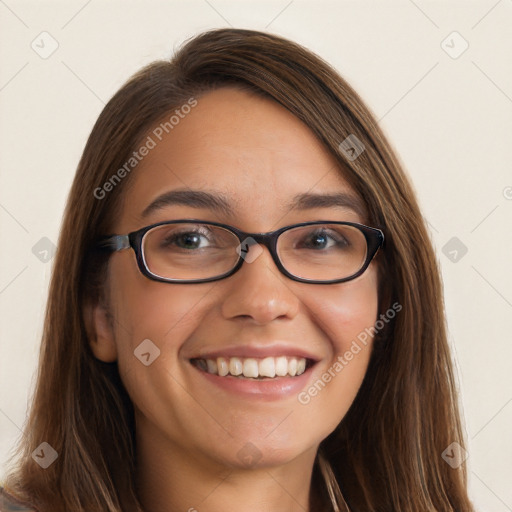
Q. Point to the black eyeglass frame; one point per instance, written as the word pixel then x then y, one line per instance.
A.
pixel 112 243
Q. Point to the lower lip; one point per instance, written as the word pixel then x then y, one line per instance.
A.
pixel 269 389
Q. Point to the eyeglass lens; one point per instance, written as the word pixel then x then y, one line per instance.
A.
pixel 189 251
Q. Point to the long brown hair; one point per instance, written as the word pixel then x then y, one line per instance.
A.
pixel 386 454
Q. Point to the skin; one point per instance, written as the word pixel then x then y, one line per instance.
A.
pixel 188 432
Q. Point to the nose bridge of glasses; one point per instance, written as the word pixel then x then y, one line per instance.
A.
pixel 267 240
pixel 258 241
pixel 259 238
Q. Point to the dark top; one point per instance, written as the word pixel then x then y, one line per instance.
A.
pixel 8 503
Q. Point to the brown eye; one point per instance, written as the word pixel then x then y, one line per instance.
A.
pixel 321 239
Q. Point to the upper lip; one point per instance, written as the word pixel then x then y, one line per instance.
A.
pixel 257 351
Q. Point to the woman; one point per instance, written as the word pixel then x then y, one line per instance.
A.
pixel 191 362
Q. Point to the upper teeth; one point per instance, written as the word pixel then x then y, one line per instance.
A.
pixel 250 367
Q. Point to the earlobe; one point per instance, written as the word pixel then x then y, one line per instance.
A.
pixel 100 333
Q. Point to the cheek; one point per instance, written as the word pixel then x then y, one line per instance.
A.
pixel 345 311
pixel 144 307
pixel 347 314
pixel 152 320
pixel 148 310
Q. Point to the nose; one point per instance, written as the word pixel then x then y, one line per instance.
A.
pixel 259 292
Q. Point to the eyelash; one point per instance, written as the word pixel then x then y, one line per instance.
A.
pixel 204 232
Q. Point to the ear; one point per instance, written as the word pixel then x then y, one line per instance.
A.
pixel 100 332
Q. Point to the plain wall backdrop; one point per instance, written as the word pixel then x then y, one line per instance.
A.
pixel 437 75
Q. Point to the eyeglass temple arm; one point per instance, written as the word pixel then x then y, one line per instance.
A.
pixel 114 243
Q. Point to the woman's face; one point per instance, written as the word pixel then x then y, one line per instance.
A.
pixel 259 158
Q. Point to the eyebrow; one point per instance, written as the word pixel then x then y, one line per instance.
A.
pixel 219 203
pixel 337 200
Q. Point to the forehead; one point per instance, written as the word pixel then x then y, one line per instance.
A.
pixel 249 148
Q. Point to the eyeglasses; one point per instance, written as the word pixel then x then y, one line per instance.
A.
pixel 194 251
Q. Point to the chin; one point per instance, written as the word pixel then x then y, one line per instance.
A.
pixel 263 453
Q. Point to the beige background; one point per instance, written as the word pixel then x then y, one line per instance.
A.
pixel 450 120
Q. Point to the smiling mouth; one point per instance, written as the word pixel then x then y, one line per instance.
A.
pixel 254 368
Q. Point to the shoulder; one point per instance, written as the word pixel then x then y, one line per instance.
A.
pixel 9 503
